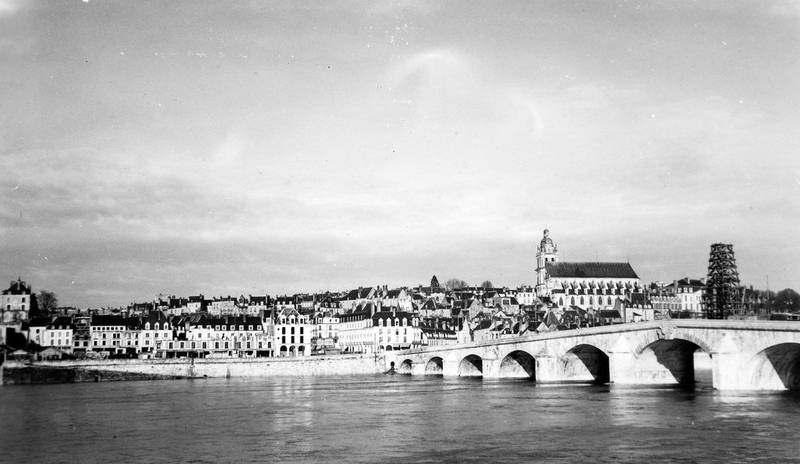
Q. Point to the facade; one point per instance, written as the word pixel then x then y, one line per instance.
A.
pixel 326 332
pixel 396 330
pixel 36 329
pixel 223 306
pixel 293 333
pixel 154 332
pixel 681 299
pixel 59 334
pixel 15 303
pixel 355 332
pixel 107 334
pixel 526 296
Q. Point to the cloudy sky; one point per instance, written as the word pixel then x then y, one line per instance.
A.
pixel 280 147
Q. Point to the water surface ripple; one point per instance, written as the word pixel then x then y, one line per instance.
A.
pixel 392 419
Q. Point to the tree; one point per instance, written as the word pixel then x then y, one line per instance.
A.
pixel 47 303
pixel 455 284
pixel 787 300
pixel 487 284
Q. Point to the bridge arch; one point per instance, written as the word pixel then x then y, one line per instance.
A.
pixel 647 339
pixel 434 366
pixel 405 367
pixel 518 364
pixel 777 366
pixel 586 363
pixel 471 366
pixel 666 361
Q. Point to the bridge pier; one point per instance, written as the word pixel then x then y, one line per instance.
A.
pixel 491 369
pixel 548 369
pixel 450 368
pixel 651 367
pixel 727 370
pixel 620 367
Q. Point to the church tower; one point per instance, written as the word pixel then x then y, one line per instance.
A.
pixel 546 253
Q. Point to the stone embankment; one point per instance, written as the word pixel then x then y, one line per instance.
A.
pixel 158 369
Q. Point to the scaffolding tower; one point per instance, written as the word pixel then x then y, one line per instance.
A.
pixel 723 293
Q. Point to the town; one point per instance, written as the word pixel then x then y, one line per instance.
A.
pixel 370 319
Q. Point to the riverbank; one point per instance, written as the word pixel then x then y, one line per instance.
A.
pixel 17 373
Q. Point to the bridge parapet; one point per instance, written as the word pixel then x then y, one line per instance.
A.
pixel 744 354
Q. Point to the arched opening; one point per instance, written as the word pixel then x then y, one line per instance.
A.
pixel 283 350
pixel 388 348
pixel 301 350
pixel 405 367
pixel 778 367
pixel 435 366
pixel 291 350
pixel 518 364
pixel 471 366
pixel 666 362
pixel 586 363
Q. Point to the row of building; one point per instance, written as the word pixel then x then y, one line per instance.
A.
pixel 364 320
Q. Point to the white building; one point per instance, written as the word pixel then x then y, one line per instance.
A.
pixel 293 333
pixel 595 285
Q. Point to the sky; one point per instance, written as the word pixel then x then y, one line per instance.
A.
pixel 279 147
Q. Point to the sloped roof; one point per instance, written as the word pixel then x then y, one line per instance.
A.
pixel 610 314
pixel 107 320
pixel 18 288
pixel 591 270
pixel 39 322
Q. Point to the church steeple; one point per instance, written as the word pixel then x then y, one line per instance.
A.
pixel 546 253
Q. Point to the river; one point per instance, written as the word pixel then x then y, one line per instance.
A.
pixel 392 419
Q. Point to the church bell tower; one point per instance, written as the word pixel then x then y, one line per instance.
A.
pixel 546 253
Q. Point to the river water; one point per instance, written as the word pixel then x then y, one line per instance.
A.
pixel 392 419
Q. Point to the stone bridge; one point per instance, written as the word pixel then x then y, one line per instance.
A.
pixel 742 355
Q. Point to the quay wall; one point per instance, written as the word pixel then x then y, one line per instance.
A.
pixel 139 369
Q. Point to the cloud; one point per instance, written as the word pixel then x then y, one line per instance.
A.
pixel 10 7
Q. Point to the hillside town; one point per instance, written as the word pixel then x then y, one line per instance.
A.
pixel 366 320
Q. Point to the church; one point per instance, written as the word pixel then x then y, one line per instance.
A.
pixel 589 285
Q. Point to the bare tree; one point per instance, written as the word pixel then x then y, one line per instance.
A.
pixel 455 284
pixel 48 302
pixel 487 284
